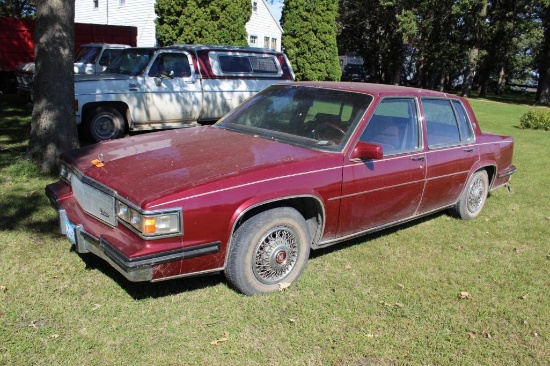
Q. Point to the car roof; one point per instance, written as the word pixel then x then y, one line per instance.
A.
pixel 373 89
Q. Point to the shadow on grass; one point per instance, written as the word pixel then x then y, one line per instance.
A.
pixel 152 290
pixel 147 290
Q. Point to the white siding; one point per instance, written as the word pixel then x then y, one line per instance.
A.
pixel 141 14
pixel 136 13
pixel 263 25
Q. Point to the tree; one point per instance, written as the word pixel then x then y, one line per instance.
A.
pixel 543 90
pixel 309 38
pixel 202 21
pixel 17 8
pixel 53 128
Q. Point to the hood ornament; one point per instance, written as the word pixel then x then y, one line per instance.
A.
pixel 98 163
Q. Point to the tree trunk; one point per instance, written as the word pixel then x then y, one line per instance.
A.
pixel 543 90
pixel 53 128
pixel 470 72
pixel 473 54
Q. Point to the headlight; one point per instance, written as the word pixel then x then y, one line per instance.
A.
pixel 150 225
pixel 64 172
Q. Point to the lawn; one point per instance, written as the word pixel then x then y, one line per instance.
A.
pixel 438 291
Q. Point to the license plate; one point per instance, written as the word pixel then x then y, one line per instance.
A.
pixel 70 230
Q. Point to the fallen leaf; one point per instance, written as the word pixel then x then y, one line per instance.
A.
pixel 225 338
pixel 486 334
pixel 348 266
pixel 523 248
pixel 472 335
pixel 283 286
pixel 535 334
pixel 399 305
pixel 95 307
pixel 55 336
pixel 459 248
pixel 292 321
pixel 465 295
pixel 401 286
pixel 3 288
pixel 523 297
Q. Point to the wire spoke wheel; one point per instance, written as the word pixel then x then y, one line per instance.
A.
pixel 275 255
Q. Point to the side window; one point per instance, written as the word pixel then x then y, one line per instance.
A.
pixel 394 126
pixel 464 125
pixel 441 123
pixel 175 65
pixel 109 55
pixel 245 64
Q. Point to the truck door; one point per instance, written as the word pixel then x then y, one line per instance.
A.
pixel 172 92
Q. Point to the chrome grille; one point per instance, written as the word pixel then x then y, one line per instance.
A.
pixel 93 201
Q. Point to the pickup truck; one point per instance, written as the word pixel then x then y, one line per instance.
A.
pixel 172 87
pixel 90 58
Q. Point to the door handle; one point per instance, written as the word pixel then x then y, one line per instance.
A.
pixel 418 158
pixel 469 149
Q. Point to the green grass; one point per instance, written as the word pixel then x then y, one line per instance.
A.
pixel 385 299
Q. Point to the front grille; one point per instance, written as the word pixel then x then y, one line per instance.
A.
pixel 93 201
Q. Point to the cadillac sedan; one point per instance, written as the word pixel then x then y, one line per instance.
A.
pixel 297 167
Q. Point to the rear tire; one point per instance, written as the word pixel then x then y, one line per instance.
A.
pixel 269 251
pixel 104 123
pixel 473 197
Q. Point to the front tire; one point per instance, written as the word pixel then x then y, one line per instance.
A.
pixel 269 250
pixel 105 123
pixel 473 197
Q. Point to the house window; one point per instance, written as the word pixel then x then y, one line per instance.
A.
pixel 121 2
pixel 96 4
pixel 266 42
pixel 274 43
pixel 253 40
pixel 255 6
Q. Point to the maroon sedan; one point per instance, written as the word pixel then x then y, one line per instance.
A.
pixel 299 166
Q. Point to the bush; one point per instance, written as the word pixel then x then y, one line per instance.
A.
pixel 536 119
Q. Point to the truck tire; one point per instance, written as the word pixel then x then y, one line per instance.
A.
pixel 104 123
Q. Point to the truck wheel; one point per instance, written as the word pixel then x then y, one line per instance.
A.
pixel 104 123
pixel 268 251
pixel 473 197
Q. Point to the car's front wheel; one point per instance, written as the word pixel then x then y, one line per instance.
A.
pixel 268 251
pixel 473 197
pixel 104 123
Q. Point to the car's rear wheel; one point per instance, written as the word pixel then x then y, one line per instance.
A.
pixel 269 251
pixel 473 197
pixel 104 123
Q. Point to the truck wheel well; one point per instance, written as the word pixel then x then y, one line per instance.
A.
pixel 308 207
pixel 119 106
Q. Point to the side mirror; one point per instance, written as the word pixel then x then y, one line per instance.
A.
pixel 365 150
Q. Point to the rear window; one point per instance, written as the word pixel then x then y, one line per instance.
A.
pixel 242 64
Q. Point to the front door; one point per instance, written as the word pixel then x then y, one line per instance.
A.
pixel 379 192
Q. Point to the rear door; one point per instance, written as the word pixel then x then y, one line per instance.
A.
pixel 451 152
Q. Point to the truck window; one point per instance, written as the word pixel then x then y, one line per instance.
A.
pixel 242 64
pixel 174 64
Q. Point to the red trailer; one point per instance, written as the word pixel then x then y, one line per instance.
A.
pixel 17 43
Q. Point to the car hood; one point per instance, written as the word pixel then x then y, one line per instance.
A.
pixel 146 168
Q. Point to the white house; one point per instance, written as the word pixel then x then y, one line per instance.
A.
pixel 262 28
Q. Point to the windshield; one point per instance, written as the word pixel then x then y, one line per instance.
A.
pixel 131 61
pixel 306 116
pixel 87 55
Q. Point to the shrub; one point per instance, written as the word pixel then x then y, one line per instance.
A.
pixel 536 119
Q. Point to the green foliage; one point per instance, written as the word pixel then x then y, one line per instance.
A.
pixel 309 38
pixel 536 119
pixel 202 21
